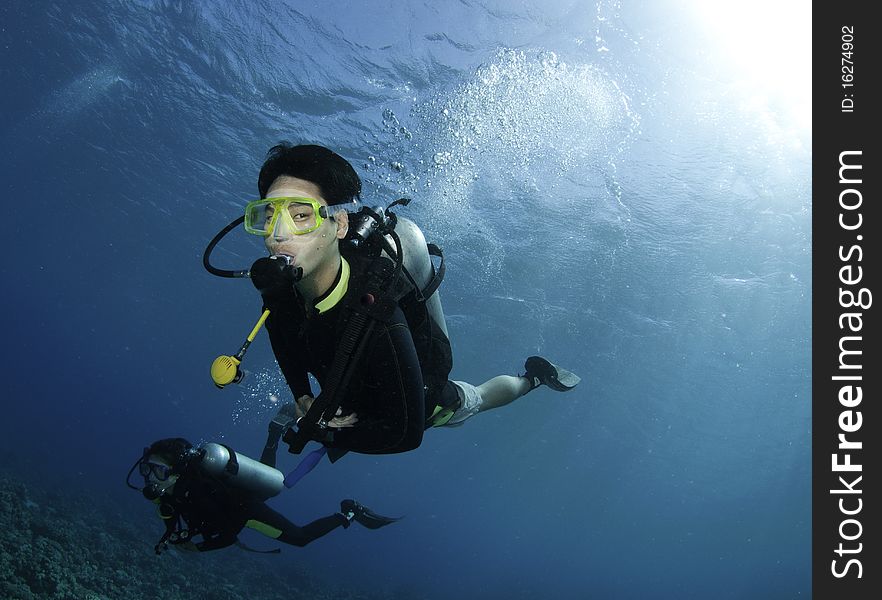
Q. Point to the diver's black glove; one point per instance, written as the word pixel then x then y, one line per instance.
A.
pixel 274 278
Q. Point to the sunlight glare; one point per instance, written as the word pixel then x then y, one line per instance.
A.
pixel 767 46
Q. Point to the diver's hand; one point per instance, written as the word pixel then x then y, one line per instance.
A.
pixel 303 403
pixel 339 422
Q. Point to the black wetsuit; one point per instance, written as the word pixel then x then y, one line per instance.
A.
pixel 387 390
pixel 218 512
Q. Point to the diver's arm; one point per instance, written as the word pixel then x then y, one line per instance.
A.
pixel 284 315
pixel 297 379
pixel 398 423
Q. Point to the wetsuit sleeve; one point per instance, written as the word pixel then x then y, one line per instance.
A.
pixel 284 315
pixel 392 419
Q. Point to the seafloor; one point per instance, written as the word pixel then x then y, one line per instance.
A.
pixel 58 545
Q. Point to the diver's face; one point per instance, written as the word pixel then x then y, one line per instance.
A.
pixel 317 250
pixel 159 473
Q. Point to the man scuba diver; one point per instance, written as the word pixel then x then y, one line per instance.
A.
pixel 213 492
pixel 352 300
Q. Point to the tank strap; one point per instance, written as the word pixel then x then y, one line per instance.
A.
pixel 437 274
pixel 232 466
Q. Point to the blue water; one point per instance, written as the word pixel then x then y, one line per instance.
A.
pixel 609 192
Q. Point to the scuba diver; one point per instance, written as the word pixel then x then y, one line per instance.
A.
pixel 214 492
pixel 350 296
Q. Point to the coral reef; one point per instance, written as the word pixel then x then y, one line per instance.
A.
pixel 56 546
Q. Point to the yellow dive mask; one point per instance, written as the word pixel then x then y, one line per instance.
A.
pixel 300 215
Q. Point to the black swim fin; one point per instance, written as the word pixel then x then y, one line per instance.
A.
pixel 364 516
pixel 539 371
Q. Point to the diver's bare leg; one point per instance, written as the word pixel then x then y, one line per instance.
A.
pixel 502 390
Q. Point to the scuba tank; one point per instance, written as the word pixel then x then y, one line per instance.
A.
pixel 227 465
pixel 418 262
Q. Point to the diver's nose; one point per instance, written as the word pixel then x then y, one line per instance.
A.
pixel 281 231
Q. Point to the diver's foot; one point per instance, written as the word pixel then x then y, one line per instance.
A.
pixel 283 419
pixel 353 511
pixel 540 371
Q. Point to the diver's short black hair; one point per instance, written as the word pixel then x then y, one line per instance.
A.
pixel 171 450
pixel 334 176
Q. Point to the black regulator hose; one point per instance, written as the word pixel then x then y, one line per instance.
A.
pixel 206 262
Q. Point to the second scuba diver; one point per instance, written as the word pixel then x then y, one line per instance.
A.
pixel 207 495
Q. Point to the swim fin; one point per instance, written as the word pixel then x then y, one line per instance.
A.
pixel 364 516
pixel 539 371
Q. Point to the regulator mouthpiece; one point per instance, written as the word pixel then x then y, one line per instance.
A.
pixel 152 491
pixel 275 272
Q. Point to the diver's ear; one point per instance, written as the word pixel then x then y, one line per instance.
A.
pixel 342 219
